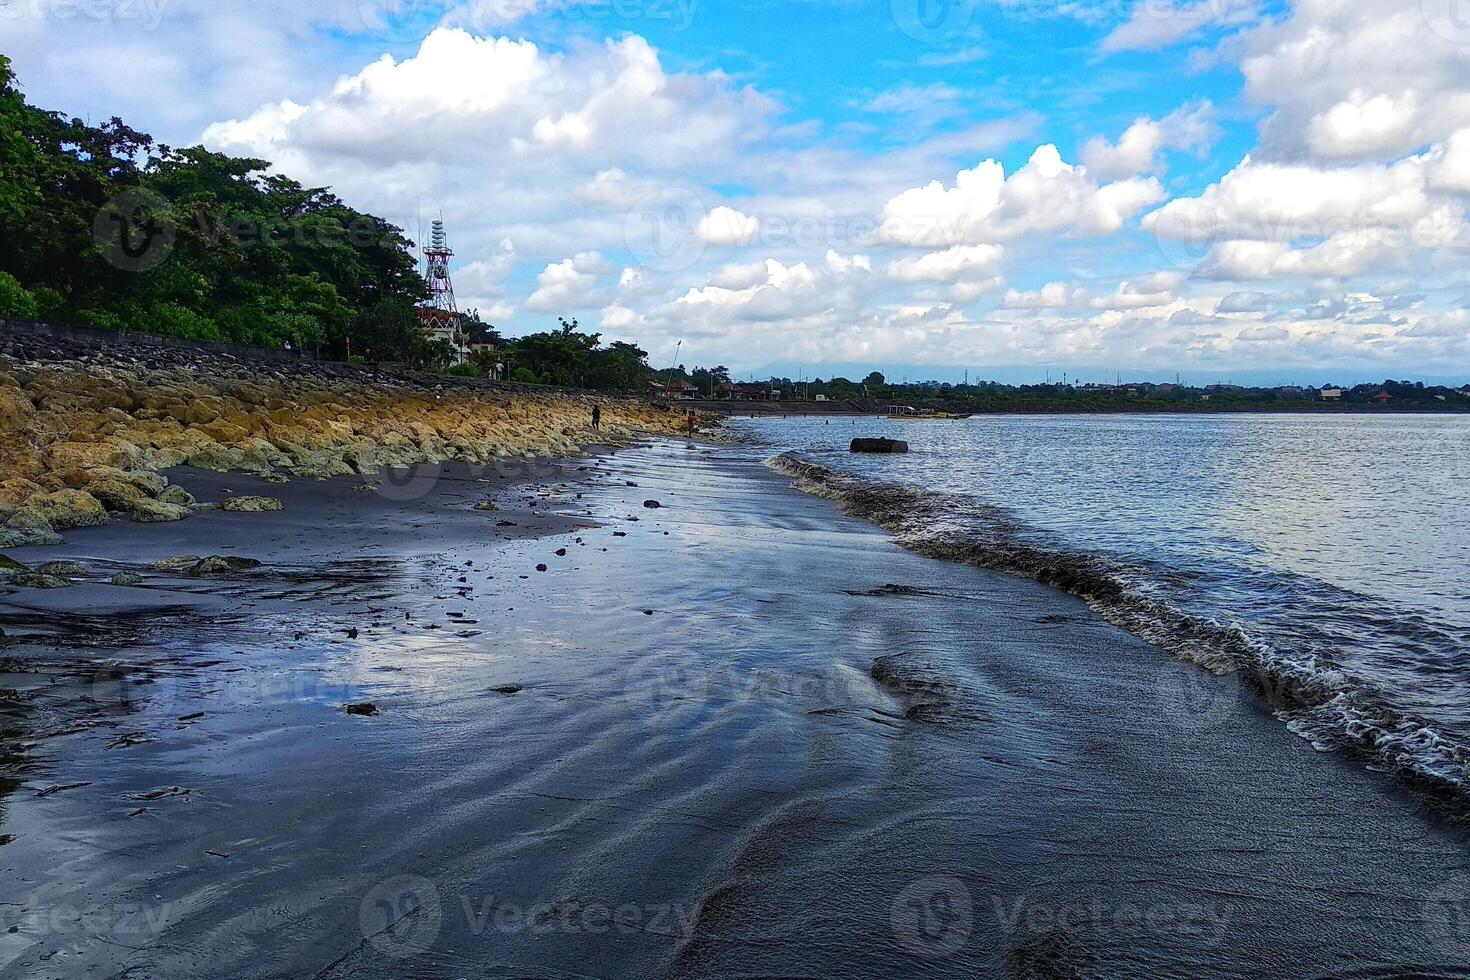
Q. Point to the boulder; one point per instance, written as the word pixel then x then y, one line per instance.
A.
pixel 177 495
pixel 222 565
pixel 33 580
pixel 127 578
pixel 62 509
pixel 176 563
pixel 28 538
pixel 148 511
pixel 63 568
pixel 879 445
pixel 252 505
pixel 115 494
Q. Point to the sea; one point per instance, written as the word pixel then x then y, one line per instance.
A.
pixel 1325 560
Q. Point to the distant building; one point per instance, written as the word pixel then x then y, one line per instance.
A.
pixel 673 389
pixel 1381 397
pixel 1330 394
pixel 755 391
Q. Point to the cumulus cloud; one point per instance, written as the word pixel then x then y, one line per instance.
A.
pixel 1355 80
pixel 727 226
pixel 1138 150
pixel 1046 195
pixel 1052 296
pixel 569 284
pixel 968 262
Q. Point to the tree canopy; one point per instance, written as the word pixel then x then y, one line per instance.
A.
pixel 100 224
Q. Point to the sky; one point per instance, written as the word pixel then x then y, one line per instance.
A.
pixel 1266 191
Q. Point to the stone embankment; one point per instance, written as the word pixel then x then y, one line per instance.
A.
pixel 85 430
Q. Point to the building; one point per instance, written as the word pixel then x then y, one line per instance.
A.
pixel 673 390
pixel 755 391
pixel 1381 397
pixel 1330 394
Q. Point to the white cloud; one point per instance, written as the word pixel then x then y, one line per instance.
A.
pixel 1160 23
pixel 569 284
pixel 962 262
pixel 1052 296
pixel 1137 150
pixel 1046 195
pixel 727 226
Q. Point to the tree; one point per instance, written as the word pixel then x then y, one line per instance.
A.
pixel 874 380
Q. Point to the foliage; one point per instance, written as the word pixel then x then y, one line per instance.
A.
pixel 225 249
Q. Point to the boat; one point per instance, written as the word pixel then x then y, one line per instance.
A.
pixel 908 413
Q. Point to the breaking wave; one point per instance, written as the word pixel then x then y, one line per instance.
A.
pixel 1316 698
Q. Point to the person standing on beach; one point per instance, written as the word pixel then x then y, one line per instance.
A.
pixel 596 416
pixel 690 421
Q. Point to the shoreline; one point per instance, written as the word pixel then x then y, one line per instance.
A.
pixel 750 735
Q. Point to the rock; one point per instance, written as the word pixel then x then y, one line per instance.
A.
pixel 62 568
pixel 31 538
pixel 176 563
pixel 878 445
pixel 507 689
pixel 540 568
pixel 159 512
pixel 486 505
pixel 222 565
pixel 10 564
pixel 177 495
pixel 127 578
pixel 32 580
pixel 275 478
pixel 561 552
pixel 252 505
pixel 365 708
pixel 115 494
pixel 652 504
pixel 63 509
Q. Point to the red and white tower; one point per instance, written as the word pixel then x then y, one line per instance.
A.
pixel 440 315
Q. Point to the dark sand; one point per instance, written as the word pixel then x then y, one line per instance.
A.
pixel 560 785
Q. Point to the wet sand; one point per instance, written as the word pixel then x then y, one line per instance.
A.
pixel 740 735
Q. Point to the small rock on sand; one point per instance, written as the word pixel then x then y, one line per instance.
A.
pixel 176 563
pixel 62 568
pixel 32 580
pixel 159 512
pixel 365 708
pixel 652 504
pixel 540 568
pixel 507 689
pixel 127 578
pixel 222 565
pixel 252 505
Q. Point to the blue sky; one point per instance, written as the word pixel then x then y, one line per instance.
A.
pixel 1242 189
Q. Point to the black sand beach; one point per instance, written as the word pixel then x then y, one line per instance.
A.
pixel 733 735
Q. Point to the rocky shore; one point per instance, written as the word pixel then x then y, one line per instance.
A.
pixel 85 429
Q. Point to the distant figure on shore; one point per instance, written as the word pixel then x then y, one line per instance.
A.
pixel 597 416
pixel 689 421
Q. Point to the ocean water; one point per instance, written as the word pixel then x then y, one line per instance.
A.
pixel 1324 560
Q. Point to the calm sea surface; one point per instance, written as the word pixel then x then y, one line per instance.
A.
pixel 1327 556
